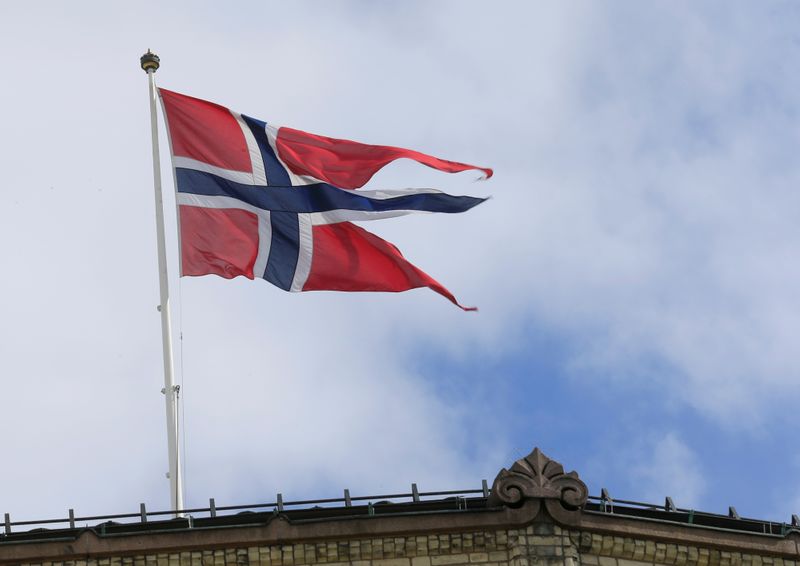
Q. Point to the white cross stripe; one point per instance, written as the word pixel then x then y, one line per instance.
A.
pixel 342 215
pixel 241 177
pixel 264 243
pixel 205 201
pixel 259 173
pixel 305 253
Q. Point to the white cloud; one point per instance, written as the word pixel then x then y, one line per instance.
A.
pixel 645 207
pixel 668 467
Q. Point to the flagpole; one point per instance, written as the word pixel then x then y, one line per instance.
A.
pixel 150 64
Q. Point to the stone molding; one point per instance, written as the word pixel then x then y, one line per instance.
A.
pixel 537 479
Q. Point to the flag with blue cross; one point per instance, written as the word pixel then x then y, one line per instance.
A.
pixel 276 203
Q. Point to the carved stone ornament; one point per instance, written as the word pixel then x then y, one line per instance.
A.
pixel 536 479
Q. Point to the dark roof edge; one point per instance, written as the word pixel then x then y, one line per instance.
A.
pixel 267 529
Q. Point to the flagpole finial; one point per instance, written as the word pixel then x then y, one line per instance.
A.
pixel 150 62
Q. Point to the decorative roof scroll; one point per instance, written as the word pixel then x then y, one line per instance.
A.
pixel 536 479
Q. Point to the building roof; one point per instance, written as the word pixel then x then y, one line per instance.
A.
pixel 533 487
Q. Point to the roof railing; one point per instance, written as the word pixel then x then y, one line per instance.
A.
pixel 603 503
pixel 279 505
pixel 606 504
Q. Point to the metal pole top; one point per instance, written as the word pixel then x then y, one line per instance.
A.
pixel 150 62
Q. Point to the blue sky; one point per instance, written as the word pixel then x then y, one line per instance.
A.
pixel 635 269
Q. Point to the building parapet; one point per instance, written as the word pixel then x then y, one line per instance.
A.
pixel 528 504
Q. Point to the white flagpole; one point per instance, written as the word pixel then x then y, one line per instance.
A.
pixel 150 63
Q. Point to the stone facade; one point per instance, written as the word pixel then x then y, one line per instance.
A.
pixel 535 516
pixel 541 544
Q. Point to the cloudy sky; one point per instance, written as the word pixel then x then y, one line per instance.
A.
pixel 635 269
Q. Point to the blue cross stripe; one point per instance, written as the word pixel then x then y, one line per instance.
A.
pixel 319 197
pixel 276 174
pixel 284 248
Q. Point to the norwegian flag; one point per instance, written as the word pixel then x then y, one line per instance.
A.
pixel 262 201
